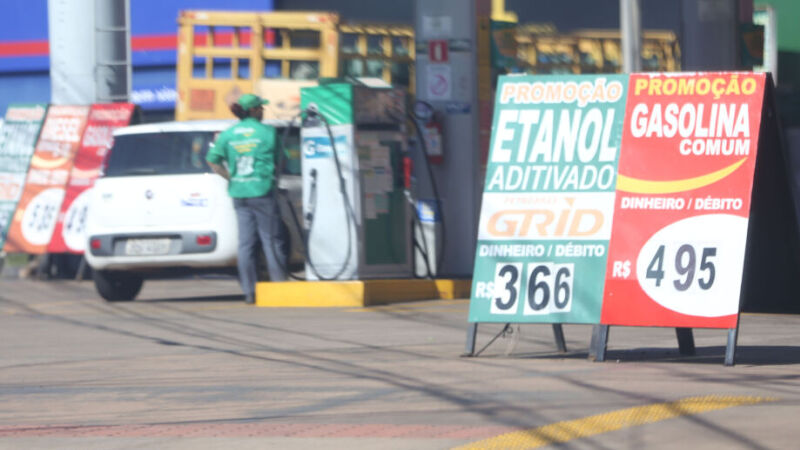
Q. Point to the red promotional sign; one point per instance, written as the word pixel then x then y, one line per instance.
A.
pixel 36 214
pixel 685 179
pixel 69 234
pixel 437 51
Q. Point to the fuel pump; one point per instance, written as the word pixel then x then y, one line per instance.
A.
pixel 352 144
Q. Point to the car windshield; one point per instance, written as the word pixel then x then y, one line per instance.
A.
pixel 180 152
pixel 168 153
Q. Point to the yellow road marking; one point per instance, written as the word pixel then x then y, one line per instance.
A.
pixel 603 423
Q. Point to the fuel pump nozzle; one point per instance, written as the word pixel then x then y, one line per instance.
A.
pixel 312 198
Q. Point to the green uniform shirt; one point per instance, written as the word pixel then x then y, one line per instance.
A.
pixel 248 148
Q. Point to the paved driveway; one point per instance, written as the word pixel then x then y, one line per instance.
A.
pixel 189 365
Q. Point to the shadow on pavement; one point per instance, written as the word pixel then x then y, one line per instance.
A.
pixel 745 355
pixel 207 298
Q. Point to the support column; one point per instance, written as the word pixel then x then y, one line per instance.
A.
pixel 710 34
pixel 630 20
pixel 113 50
pixel 449 60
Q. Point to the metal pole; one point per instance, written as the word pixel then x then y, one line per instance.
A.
pixel 599 344
pixel 771 43
pixel 472 333
pixel 631 27
pixel 685 341
pixel 730 348
pixel 113 50
pixel 558 334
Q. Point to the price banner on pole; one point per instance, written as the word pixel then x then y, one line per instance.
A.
pixel 18 136
pixel 685 179
pixel 548 199
pixel 37 212
pixel 69 234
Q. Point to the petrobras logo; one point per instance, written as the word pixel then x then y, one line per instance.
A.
pixel 576 216
pixel 320 147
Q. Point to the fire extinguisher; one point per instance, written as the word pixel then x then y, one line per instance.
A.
pixel 431 128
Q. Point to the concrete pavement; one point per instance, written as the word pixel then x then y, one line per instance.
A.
pixel 189 365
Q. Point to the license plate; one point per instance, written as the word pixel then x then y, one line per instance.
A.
pixel 145 247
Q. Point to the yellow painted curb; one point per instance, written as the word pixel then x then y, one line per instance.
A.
pixel 316 294
pixel 561 432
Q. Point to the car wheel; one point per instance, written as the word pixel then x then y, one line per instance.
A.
pixel 117 286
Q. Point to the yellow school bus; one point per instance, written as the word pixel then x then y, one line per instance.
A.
pixel 540 49
pixel 224 54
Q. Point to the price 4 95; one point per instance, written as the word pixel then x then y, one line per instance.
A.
pixel 694 266
pixel 690 265
pixel 541 288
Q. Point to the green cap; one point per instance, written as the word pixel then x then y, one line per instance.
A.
pixel 248 101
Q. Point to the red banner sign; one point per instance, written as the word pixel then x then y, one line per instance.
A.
pixel 69 234
pixel 685 178
pixel 36 214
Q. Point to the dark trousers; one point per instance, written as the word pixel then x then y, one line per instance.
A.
pixel 259 217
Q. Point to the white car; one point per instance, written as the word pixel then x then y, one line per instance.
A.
pixel 158 210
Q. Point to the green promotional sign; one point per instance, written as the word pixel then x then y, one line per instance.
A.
pixel 548 199
pixel 504 45
pixel 18 136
